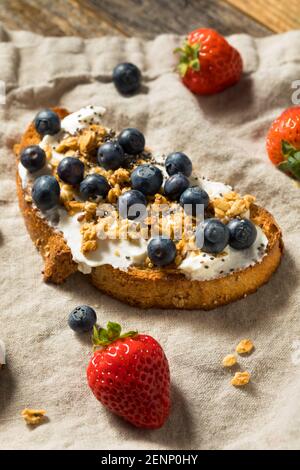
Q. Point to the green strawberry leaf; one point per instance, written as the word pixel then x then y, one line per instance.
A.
pixel 195 64
pixel 178 50
pixel 189 57
pixel 291 164
pixel 103 334
pixel 104 337
pixel 183 68
pixel 113 330
pixel 284 166
pixel 130 334
pixel 294 164
pixel 287 148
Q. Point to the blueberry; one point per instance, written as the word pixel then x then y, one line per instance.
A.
pixel 132 205
pixel 161 251
pixel 175 185
pixel 132 141
pixel 110 155
pixel 242 233
pixel 82 319
pixel 46 192
pixel 70 170
pixel 33 158
pixel 212 236
pixel 193 197
pixel 47 122
pixel 147 179
pixel 94 185
pixel 127 78
pixel 178 162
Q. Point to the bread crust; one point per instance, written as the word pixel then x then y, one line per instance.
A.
pixel 147 288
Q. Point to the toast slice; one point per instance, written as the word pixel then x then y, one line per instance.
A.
pixel 147 286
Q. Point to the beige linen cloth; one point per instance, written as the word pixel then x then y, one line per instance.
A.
pixel 225 137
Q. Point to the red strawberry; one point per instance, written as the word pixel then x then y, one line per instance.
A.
pixel 208 64
pixel 283 141
pixel 130 376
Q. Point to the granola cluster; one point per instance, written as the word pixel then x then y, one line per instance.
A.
pixel 33 417
pixel 232 205
pixel 240 378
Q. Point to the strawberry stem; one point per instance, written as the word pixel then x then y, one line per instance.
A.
pixel 112 332
pixel 188 58
pixel 291 163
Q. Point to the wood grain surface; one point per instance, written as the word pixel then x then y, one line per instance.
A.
pixel 146 18
pixel 278 15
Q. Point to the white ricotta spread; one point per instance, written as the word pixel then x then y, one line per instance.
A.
pixel 2 353
pixel 206 266
pixel 214 188
pixel 82 119
pixel 121 253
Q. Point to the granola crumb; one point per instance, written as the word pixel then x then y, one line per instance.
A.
pixel 231 205
pixel 32 416
pixel 114 193
pixel 244 346
pixel 240 379
pixel 120 176
pixel 66 193
pixel 89 238
pixel 229 360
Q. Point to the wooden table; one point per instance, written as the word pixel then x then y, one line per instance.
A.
pixel 89 18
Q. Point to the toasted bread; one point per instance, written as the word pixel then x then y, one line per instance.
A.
pixel 150 287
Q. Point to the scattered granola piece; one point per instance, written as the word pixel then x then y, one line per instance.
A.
pixel 90 210
pixel 240 379
pixel 244 346
pixel 66 192
pixel 74 206
pixel 119 176
pixel 231 205
pixel 28 198
pixel 33 417
pixel 67 144
pixel 114 193
pixel 229 360
pixel 89 238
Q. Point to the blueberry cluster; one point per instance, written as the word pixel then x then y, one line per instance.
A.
pixel 110 155
pixel 212 236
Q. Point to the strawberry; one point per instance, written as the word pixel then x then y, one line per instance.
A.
pixel 208 64
pixel 283 142
pixel 130 376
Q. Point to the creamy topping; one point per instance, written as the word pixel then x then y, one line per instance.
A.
pixel 2 353
pixel 119 253
pixel 27 178
pixel 214 188
pixel 205 266
pixel 82 119
pixel 123 253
